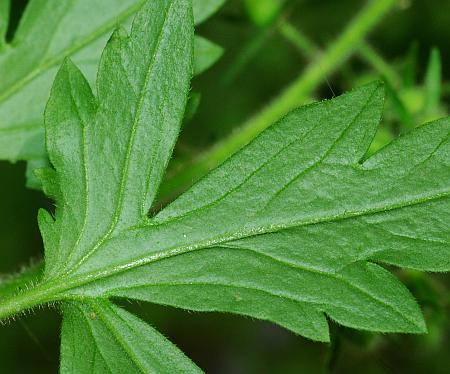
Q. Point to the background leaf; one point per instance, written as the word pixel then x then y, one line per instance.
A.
pixel 433 82
pixel 4 17
pixel 203 9
pixel 207 54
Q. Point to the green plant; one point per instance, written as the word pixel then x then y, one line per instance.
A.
pixel 49 31
pixel 290 229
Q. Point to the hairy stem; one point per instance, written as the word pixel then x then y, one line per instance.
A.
pixel 17 290
pixel 12 284
pixel 294 95
pixel 26 299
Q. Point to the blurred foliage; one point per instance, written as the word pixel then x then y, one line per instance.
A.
pixel 267 44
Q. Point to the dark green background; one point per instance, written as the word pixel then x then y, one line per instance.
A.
pixel 230 344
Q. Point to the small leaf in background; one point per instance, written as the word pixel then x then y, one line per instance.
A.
pixel 4 17
pixel 32 180
pixel 399 107
pixel 433 83
pixel 203 9
pixel 207 53
pixel 192 106
pixel 263 12
pixel 410 68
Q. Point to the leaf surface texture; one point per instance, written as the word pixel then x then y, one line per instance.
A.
pixel 99 337
pixel 294 228
pixel 49 31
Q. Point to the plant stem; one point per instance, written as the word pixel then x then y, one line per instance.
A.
pixel 294 95
pixel 371 56
pixel 298 39
pixel 29 298
pixel 11 284
pixel 306 46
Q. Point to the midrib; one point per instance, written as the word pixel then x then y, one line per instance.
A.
pixel 86 278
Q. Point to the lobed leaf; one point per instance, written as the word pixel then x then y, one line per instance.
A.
pixel 142 91
pixel 293 228
pixel 49 31
pixel 303 246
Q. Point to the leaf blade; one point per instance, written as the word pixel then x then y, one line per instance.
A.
pixel 146 112
pixel 4 17
pixel 306 240
pixel 433 83
pixel 50 31
pixel 203 9
pixel 207 53
pixel 110 339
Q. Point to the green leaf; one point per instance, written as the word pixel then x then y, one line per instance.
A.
pixel 142 89
pixel 4 17
pixel 99 337
pixel 305 245
pixel 48 32
pixel 192 106
pixel 207 54
pixel 203 9
pixel 51 30
pixel 433 83
pixel 410 66
pixel 291 229
pixel 263 12
pixel 294 228
pixel 32 181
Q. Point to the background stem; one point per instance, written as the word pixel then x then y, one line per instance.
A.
pixel 293 96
